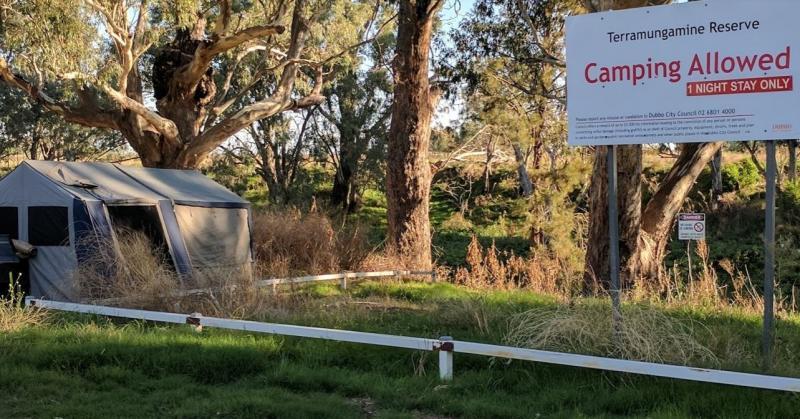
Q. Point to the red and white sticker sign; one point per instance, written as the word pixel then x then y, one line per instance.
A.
pixel 713 70
pixel 692 226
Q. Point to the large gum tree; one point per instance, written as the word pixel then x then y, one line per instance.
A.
pixel 408 171
pixel 171 76
pixel 644 226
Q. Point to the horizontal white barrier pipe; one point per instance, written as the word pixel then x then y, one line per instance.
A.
pixel 406 342
pixel 348 275
pixel 636 367
pixel 296 280
pixel 446 346
pixel 129 313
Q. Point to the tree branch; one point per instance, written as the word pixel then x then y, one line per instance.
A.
pixel 279 101
pixel 83 116
pixel 166 127
pixel 223 18
pixel 204 54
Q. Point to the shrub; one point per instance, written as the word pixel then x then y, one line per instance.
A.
pixel 457 222
pixel 740 176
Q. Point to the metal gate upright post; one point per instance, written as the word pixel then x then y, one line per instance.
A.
pixel 613 236
pixel 769 256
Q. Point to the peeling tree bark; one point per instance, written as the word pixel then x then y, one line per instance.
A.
pixel 408 174
pixel 645 260
pixel 634 255
pixel 629 202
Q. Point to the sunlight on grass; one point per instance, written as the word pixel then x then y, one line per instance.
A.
pixel 134 369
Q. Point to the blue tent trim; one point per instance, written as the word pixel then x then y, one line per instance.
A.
pixel 175 239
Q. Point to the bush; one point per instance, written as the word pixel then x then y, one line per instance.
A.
pixel 457 222
pixel 740 176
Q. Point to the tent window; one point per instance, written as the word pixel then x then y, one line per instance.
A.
pixel 9 219
pixel 48 226
pixel 141 218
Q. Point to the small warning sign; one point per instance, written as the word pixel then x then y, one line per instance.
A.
pixel 691 226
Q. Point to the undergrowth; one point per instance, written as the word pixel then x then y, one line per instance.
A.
pixel 14 315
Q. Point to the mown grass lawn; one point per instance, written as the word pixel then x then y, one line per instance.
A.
pixel 86 366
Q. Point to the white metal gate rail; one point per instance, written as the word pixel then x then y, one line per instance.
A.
pixel 343 278
pixel 445 346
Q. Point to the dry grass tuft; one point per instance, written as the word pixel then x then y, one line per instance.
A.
pixel 13 313
pixel 543 272
pixel 135 275
pixel 231 293
pixel 138 275
pixel 645 334
pixel 290 243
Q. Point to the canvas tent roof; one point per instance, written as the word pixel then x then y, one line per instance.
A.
pixel 185 187
pixel 114 183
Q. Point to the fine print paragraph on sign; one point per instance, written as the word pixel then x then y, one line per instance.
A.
pixel 703 71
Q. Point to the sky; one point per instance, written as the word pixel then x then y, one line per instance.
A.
pixel 448 112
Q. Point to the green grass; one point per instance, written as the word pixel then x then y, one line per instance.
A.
pixel 87 366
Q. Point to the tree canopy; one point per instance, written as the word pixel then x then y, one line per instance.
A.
pixel 169 76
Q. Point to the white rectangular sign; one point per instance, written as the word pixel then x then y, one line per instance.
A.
pixel 715 70
pixel 691 226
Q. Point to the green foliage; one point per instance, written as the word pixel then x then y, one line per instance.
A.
pixel 238 176
pixel 141 369
pixel 741 176
pixel 50 37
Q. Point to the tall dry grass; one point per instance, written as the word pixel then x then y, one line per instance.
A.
pixel 542 272
pixel 135 273
pixel 645 334
pixel 290 243
pixel 547 273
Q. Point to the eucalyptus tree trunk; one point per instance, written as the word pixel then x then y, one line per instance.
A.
pixel 345 193
pixel 716 178
pixel 408 173
pixel 629 202
pixel 647 254
pixel 793 160
pixel 525 184
pixel 629 194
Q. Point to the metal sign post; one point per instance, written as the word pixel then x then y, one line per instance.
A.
pixel 613 234
pixel 633 81
pixel 691 226
pixel 769 256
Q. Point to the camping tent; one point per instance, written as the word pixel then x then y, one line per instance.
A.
pixel 52 205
